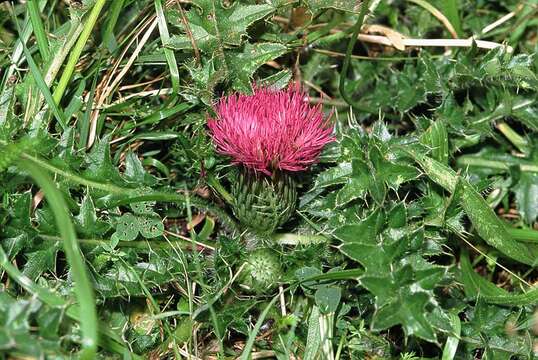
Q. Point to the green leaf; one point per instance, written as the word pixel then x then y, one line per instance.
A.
pixel 476 286
pixel 526 192
pixel 486 328
pixel 528 115
pixel 355 188
pixel 334 175
pixel 238 65
pixel 313 338
pixel 344 5
pixel 361 244
pixel 451 345
pixel 280 80
pixel 243 65
pixel 215 27
pixel 44 88
pixel 150 227
pixel 8 123
pixel 165 38
pixel 409 311
pixel 99 162
pixel 450 9
pixel 37 262
pixel 143 208
pixel 207 229
pixel 135 172
pixel 436 138
pixel 307 272
pixel 387 170
pixel 127 227
pixel 397 216
pixel 83 288
pixel 87 222
pixel 245 355
pixel 487 224
pixel 110 339
pixel 327 298
pixel 205 77
pixel 521 66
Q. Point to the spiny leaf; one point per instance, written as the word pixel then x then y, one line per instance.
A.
pixel 243 65
pixel 436 138
pixel 135 172
pixel 408 310
pixel 39 261
pixel 99 162
pixel 214 27
pixel 487 224
pixel 345 5
pixel 10 152
pixel 476 286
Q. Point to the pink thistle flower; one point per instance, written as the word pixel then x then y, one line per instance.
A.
pixel 270 130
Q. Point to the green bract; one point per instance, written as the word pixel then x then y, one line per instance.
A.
pixel 263 203
pixel 262 271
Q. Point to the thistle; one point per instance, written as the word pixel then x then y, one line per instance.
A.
pixel 269 135
pixel 262 271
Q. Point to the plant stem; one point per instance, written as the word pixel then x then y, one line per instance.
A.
pixel 215 184
pixel 139 244
pixel 466 160
pixel 517 140
pixel 128 194
pixel 343 75
pixel 502 111
pixel 58 59
pixel 196 202
pixel 77 51
pixel 524 235
pixel 74 177
pixel 297 239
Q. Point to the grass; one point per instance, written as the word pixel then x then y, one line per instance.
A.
pixel 414 235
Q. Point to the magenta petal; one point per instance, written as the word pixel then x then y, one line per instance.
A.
pixel 270 130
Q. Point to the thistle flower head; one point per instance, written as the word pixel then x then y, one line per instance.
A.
pixel 270 130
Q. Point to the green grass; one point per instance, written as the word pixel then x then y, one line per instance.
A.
pixel 414 236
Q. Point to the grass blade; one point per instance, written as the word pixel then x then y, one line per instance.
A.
pixel 77 50
pixel 245 355
pixel 42 86
pixel 313 339
pixel 82 284
pixel 452 342
pixel 39 29
pixel 437 14
pixel 16 56
pixel 168 53
pixel 108 34
pixel 450 9
pixel 84 124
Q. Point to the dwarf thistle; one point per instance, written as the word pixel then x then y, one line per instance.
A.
pixel 269 135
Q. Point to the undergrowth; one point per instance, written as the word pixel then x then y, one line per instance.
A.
pixel 414 236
